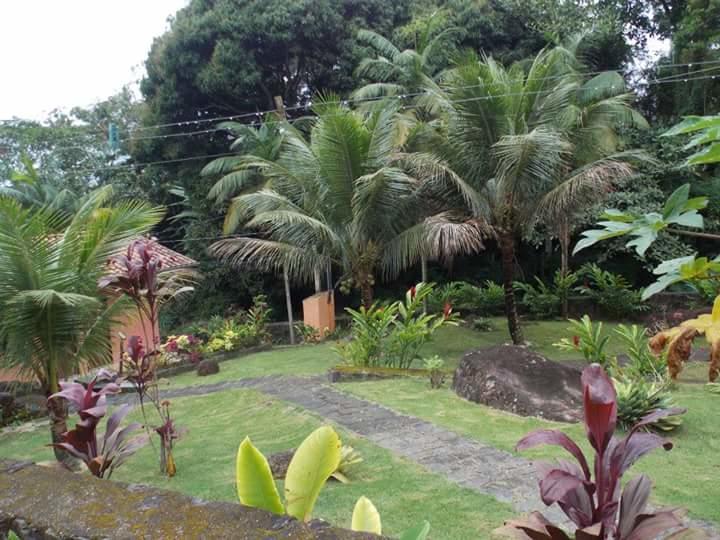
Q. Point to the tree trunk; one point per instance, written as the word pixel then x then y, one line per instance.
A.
pixel 564 237
pixel 424 278
pixel 318 280
pixel 366 294
pixel 58 414
pixel 507 250
pixel 288 304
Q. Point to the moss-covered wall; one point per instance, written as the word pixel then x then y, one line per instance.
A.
pixel 43 503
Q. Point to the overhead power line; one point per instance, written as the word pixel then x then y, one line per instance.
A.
pixel 260 114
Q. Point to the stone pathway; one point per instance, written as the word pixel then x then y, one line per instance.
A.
pixel 464 461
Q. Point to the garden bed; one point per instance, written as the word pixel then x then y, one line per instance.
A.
pixel 220 356
pixel 355 373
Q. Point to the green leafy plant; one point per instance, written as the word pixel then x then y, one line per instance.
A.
pixel 315 460
pixel 349 457
pixel 392 335
pixel 539 299
pixel 491 298
pixel 481 324
pixel 637 398
pixel 309 334
pixel 434 366
pixel 413 328
pixel 587 338
pixel 679 209
pixel 370 326
pixel 643 362
pixel 594 499
pixel 611 292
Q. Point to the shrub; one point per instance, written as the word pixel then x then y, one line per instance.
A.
pixel 392 335
pixel 481 324
pixel 370 328
pixel 116 446
pixel 611 292
pixel 539 300
pixel 544 301
pixel 180 348
pixel 592 498
pixel 468 298
pixel 589 339
pixel 413 328
pixel 637 398
pixel 309 334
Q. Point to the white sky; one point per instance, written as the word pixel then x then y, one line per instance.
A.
pixel 66 53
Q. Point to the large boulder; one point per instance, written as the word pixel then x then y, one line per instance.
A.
pixel 518 380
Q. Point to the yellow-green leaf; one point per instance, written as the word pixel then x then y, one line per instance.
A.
pixel 314 461
pixel 365 517
pixel 255 484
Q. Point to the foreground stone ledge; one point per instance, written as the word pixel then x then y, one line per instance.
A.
pixel 45 503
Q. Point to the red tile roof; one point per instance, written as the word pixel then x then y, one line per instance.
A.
pixel 169 257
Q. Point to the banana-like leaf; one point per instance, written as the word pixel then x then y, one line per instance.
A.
pixel 255 484
pixel 418 532
pixel 365 517
pixel 314 461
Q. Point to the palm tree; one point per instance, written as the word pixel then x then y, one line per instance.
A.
pixel 509 138
pixel 395 72
pixel 349 198
pixel 26 187
pixel 55 319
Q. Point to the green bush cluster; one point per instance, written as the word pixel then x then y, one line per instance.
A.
pixel 245 329
pixel 642 382
pixel 392 335
pixel 485 299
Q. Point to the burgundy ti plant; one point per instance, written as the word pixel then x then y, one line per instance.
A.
pixel 116 446
pixel 591 497
pixel 142 279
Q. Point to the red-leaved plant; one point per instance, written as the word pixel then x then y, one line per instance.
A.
pixel 116 445
pixel 142 279
pixel 592 498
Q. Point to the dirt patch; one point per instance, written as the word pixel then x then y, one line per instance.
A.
pixel 518 380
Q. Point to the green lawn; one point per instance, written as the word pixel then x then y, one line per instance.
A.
pixel 687 476
pixel 449 343
pixel 404 493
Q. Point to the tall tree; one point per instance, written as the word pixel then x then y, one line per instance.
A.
pixel 55 319
pixel 348 198
pixel 508 140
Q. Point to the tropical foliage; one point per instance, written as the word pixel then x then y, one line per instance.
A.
pixel 593 500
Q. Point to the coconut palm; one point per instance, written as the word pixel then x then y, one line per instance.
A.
pixel 55 319
pixel 395 72
pixel 516 135
pixel 349 198
pixel 263 141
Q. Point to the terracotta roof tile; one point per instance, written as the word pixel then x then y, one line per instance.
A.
pixel 169 257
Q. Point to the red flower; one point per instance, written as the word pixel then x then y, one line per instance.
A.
pixel 447 310
pixel 171 346
pixel 413 292
pixel 576 341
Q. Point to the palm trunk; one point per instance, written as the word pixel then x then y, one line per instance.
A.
pixel 507 250
pixel 424 277
pixel 366 294
pixel 58 414
pixel 318 281
pixel 564 237
pixel 288 304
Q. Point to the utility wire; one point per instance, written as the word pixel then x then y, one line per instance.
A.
pixel 670 79
pixel 260 114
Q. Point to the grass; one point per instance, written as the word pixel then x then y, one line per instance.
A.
pixel 687 476
pixel 404 493
pixel 449 343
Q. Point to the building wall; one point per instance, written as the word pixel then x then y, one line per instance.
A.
pixel 130 326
